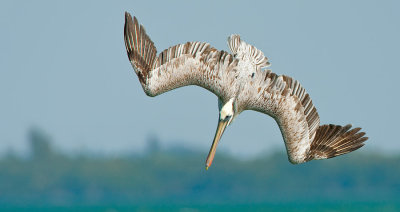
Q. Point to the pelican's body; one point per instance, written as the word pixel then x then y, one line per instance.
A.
pixel 240 83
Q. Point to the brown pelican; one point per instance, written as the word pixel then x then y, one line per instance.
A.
pixel 240 82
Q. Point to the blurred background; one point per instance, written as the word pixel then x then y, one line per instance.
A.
pixel 77 131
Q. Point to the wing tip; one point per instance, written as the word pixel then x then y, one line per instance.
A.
pixel 140 49
pixel 335 140
pixel 127 14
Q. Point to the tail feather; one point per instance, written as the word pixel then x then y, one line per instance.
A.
pixel 334 140
pixel 240 48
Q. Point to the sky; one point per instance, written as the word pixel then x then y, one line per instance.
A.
pixel 64 69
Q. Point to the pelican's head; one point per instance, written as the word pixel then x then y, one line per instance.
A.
pixel 226 115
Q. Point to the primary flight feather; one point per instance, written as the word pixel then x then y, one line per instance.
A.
pixel 240 83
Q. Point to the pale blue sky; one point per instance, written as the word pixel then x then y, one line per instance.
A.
pixel 64 69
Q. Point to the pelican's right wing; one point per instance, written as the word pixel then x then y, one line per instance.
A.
pixel 192 63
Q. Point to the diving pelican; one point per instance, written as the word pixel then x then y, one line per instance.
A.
pixel 240 82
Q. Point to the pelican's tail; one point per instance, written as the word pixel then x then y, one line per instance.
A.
pixel 140 48
pixel 241 49
pixel 334 140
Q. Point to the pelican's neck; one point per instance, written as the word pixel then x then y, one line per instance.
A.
pixel 227 111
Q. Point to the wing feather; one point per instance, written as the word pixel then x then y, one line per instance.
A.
pixel 334 140
pixel 191 63
pixel 290 105
pixel 283 98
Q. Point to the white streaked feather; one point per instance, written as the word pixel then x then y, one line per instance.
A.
pixel 238 78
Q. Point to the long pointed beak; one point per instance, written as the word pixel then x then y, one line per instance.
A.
pixel 220 130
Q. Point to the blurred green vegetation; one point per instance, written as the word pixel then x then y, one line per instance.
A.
pixel 168 180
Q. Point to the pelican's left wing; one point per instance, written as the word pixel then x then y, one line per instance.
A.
pixel 192 63
pixel 289 104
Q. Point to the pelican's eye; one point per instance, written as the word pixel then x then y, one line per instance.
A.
pixel 227 118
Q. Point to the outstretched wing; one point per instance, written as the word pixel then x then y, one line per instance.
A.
pixel 289 104
pixel 192 63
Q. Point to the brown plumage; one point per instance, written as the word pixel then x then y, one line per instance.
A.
pixel 240 83
pixel 334 140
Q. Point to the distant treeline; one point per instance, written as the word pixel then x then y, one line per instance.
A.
pixel 179 177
